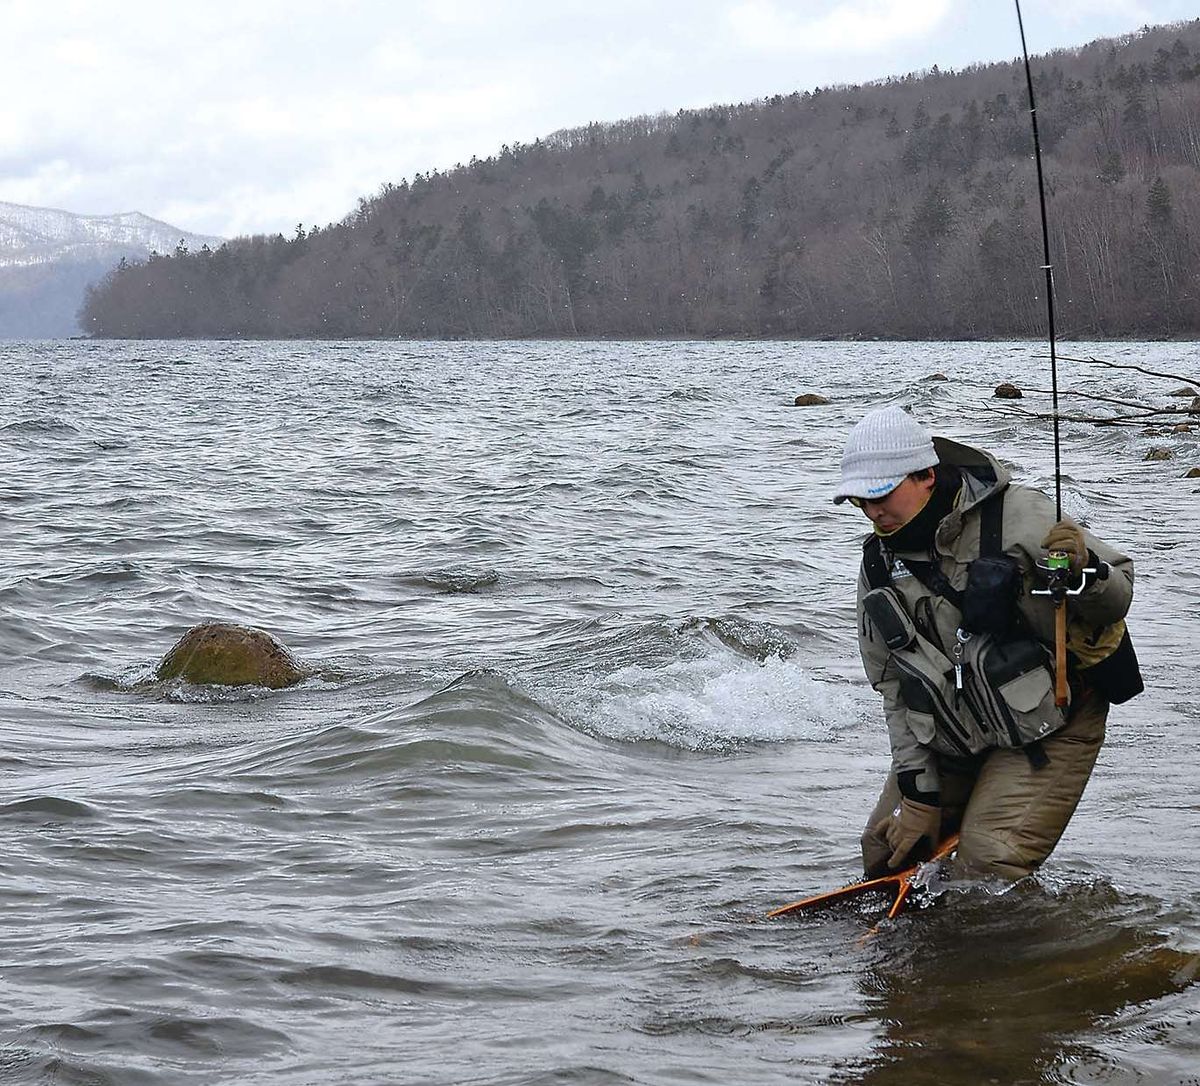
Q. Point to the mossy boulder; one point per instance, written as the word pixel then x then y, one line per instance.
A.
pixel 810 399
pixel 1007 391
pixel 224 654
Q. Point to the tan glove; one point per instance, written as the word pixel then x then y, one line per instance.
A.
pixel 1067 536
pixel 905 827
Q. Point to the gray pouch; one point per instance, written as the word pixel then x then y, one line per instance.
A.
pixel 887 614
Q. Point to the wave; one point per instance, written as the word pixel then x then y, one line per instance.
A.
pixel 450 580
pixel 757 640
pixel 95 1050
pixel 99 576
pixel 692 393
pixel 47 808
pixel 40 424
pixel 485 727
pixel 715 702
pixel 479 726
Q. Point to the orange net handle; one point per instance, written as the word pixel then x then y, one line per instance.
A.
pixel 899 884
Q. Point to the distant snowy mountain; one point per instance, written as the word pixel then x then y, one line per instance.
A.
pixel 40 235
pixel 49 257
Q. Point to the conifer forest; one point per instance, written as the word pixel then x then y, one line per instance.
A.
pixel 906 208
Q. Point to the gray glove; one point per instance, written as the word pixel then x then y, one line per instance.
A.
pixel 1067 536
pixel 905 827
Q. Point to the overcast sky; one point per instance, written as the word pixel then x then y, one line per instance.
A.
pixel 250 116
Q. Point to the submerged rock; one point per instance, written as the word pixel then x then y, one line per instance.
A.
pixel 1008 391
pixel 810 399
pixel 936 377
pixel 1182 428
pixel 1194 409
pixel 1192 473
pixel 1187 390
pixel 225 654
pixel 1158 454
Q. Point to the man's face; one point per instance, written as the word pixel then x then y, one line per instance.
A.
pixel 896 508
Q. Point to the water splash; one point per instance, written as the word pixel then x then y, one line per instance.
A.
pixel 714 702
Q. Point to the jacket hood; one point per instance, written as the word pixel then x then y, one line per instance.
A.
pixel 982 474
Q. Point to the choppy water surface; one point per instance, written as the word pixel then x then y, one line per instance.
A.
pixel 588 705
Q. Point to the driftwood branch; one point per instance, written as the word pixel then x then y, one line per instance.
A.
pixel 1137 404
pixel 1129 366
pixel 1009 407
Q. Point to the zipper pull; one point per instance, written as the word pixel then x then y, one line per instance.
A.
pixel 961 637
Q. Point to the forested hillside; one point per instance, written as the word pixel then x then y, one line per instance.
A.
pixel 906 208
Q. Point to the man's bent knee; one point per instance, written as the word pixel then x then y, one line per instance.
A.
pixel 987 856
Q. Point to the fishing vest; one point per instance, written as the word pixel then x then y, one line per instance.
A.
pixel 994 687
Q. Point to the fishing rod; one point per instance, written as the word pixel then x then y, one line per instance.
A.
pixel 1058 563
pixel 1047 266
pixel 1057 568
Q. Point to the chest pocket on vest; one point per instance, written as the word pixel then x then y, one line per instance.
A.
pixel 1011 688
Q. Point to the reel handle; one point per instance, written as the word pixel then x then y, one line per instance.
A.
pixel 1057 568
pixel 1061 692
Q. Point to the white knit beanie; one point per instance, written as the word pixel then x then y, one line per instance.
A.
pixel 885 446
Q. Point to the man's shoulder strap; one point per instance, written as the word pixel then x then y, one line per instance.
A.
pixel 874 564
pixel 991 526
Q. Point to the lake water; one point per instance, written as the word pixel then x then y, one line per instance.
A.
pixel 588 705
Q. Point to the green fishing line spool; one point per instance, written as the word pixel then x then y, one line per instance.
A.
pixel 1058 561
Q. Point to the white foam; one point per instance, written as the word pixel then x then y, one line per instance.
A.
pixel 712 702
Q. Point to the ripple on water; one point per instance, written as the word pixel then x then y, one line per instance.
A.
pixel 47 809
pixel 452 581
pixel 39 425
pixel 117 1045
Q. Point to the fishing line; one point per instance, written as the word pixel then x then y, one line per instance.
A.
pixel 1047 267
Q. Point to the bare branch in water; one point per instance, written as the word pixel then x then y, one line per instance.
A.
pixel 1138 404
pixel 1007 406
pixel 1129 366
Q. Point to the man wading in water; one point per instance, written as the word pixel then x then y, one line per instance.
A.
pixel 963 654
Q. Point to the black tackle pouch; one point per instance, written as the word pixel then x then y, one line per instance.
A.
pixel 1117 677
pixel 990 600
pixel 1006 661
pixel 886 613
